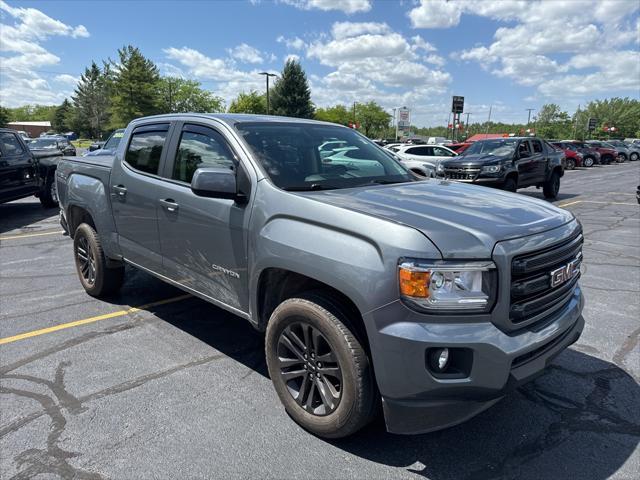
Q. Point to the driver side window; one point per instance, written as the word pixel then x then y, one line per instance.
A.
pixel 523 150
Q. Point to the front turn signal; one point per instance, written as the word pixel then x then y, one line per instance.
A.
pixel 414 283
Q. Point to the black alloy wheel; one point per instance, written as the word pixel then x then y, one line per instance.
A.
pixel 309 368
pixel 86 261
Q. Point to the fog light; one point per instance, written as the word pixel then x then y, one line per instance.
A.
pixel 440 359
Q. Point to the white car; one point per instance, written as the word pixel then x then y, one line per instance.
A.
pixel 429 154
pixel 420 168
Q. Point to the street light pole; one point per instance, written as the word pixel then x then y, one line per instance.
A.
pixel 529 117
pixel 466 125
pixel 267 75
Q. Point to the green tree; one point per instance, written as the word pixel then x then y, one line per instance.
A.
pixel 90 113
pixel 134 87
pixel 32 113
pixel 373 120
pixel 336 114
pixel 177 95
pixel 621 113
pixel 291 96
pixel 5 116
pixel 251 102
pixel 61 116
pixel 552 122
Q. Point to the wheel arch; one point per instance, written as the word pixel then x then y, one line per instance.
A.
pixel 276 285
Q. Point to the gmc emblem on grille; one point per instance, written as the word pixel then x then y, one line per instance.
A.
pixel 564 273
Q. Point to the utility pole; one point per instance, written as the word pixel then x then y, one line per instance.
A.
pixel 267 75
pixel 489 119
pixel 354 114
pixel 466 125
pixel 449 123
pixel 529 117
pixel 575 124
pixel 170 100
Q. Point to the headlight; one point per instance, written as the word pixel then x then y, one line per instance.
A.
pixel 491 168
pixel 442 286
pixel 440 168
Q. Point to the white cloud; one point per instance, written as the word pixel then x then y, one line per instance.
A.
pixel 435 14
pixel 227 79
pixel 337 52
pixel 291 56
pixel 246 54
pixel 20 81
pixel 545 41
pixel 294 43
pixel 342 30
pixel 346 6
pixel 67 79
pixel 372 62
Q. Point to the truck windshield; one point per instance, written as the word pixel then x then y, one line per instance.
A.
pixel 43 143
pixel 316 157
pixel 499 147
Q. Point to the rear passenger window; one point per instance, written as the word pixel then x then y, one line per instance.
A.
pixel 11 144
pixel 201 148
pixel 145 150
pixel 537 146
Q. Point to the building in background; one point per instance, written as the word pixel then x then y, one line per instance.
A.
pixel 34 129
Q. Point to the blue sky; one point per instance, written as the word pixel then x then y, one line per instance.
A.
pixel 511 54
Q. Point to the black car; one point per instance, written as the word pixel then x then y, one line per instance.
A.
pixel 24 173
pixel 53 142
pixel 508 163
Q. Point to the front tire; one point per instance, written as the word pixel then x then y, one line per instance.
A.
pixel 551 187
pixel 319 368
pixel 510 184
pixel 96 277
pixel 633 157
pixel 570 164
pixel 588 162
pixel 49 194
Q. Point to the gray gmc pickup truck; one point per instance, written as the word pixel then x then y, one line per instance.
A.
pixel 429 297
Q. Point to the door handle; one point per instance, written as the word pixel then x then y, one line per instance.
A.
pixel 120 190
pixel 169 204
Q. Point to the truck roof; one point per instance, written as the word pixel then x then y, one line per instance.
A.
pixel 234 118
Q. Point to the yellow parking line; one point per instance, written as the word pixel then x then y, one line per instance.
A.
pixel 27 235
pixel 609 203
pixel 85 321
pixel 570 203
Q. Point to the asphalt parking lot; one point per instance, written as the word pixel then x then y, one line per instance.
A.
pixel 158 384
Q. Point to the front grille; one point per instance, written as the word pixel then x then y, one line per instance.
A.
pixel 461 173
pixel 532 293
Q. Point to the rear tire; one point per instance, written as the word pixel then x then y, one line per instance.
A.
pixel 97 279
pixel 551 187
pixel 319 368
pixel 633 157
pixel 570 164
pixel 510 184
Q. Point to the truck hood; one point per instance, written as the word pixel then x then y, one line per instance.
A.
pixel 463 221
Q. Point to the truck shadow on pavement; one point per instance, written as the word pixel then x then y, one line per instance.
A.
pixel 22 215
pixel 581 419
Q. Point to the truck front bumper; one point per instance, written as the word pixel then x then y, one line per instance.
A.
pixel 416 401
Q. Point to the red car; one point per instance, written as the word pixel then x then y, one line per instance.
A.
pixel 459 147
pixel 607 154
pixel 573 157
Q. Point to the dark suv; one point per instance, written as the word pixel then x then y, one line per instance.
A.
pixel 508 163
pixel 48 143
pixel 24 173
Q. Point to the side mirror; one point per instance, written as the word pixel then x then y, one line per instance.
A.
pixel 215 183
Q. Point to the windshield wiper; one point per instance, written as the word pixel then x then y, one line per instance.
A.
pixel 307 188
